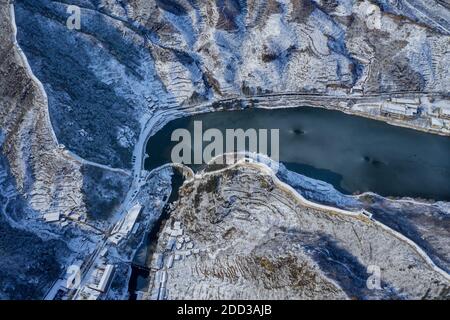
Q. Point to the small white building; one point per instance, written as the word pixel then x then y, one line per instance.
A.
pixel 162 295
pixel 103 252
pixel 158 276
pixel 163 278
pixel 87 293
pixel 105 279
pixel 141 295
pixel 51 217
pixel 404 100
pixel 171 243
pixel 437 123
pixel 444 112
pixel 398 111
pixel 189 245
pixel 170 261
pixel 367 213
pixel 130 219
pixel 157 261
pixel 125 226
pixel 176 232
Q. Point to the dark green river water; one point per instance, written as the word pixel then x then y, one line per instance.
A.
pixel 352 153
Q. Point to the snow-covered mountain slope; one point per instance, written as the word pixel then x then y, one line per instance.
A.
pixel 75 105
pixel 131 58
